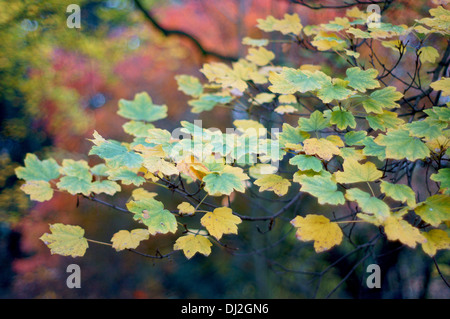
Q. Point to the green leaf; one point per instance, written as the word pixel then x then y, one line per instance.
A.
pixel 78 177
pixel 443 176
pixel 126 176
pixel 322 187
pixel 373 149
pixel 37 170
pixel 362 80
pixel 142 109
pixel 107 187
pixel 116 154
pixel 307 162
pixel 382 99
pixel 336 90
pixel 400 145
pixel 355 137
pixel 316 122
pixel 435 209
pixel 291 80
pixel 75 185
pixel 137 128
pixel 190 85
pixel 292 135
pixel 428 128
pixel 399 192
pixel 207 102
pixel 66 240
pixel 225 182
pixel 384 120
pixel 370 205
pixel 342 119
pixel 152 213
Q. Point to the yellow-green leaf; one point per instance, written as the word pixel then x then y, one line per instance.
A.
pixel 354 172
pixel 437 239
pixel 38 190
pixel 66 240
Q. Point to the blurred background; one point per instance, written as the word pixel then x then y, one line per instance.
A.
pixel 58 84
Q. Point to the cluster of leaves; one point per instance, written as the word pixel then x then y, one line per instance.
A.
pixel 351 148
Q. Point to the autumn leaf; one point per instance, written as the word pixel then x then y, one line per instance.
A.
pixel 66 240
pixel 221 221
pixel 275 183
pixel 318 228
pixel 437 239
pixel 186 209
pixel 192 244
pixel 401 230
pixel 124 239
pixel 322 147
pixel 354 172
pixel 38 190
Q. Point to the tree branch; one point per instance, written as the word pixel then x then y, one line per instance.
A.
pixel 168 32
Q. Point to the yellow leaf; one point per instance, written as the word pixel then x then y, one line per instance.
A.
pixel 442 85
pixel 436 239
pixel 318 228
pixel 140 193
pixel 336 140
pixel 250 127
pixel 124 239
pixel 192 244
pixel 260 56
pixel 275 183
pixel 399 229
pixel 290 24
pixel 320 147
pixel 285 109
pixel 186 209
pixel 155 164
pixel 221 221
pixel 355 172
pixel 38 190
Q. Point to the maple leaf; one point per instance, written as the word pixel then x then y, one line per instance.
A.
pixel 37 170
pixel 437 239
pixel 322 147
pixel 142 108
pixel 318 228
pixel 124 239
pixel 192 244
pixel 152 213
pixel 275 183
pixel 186 209
pixel 354 172
pixel 398 229
pixel 66 240
pixel 221 221
pixel 38 190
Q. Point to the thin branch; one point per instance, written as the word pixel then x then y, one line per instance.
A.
pixel 168 32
